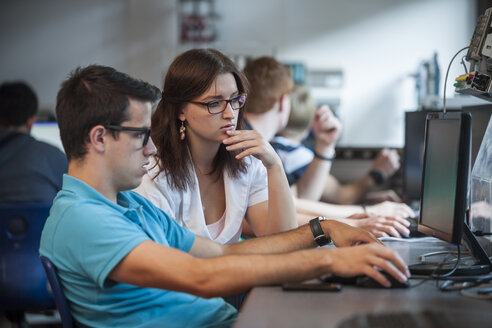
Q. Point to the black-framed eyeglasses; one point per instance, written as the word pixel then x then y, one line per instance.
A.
pixel 143 132
pixel 218 106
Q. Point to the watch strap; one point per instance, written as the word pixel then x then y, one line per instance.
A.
pixel 377 176
pixel 319 236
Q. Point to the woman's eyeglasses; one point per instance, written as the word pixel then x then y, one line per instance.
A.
pixel 218 106
pixel 143 132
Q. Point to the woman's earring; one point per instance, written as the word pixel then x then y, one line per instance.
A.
pixel 182 130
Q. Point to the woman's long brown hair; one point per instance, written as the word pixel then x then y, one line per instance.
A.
pixel 189 76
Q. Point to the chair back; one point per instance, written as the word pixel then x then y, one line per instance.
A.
pixel 23 282
pixel 60 300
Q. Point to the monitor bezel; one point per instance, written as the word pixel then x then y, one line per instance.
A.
pixel 462 184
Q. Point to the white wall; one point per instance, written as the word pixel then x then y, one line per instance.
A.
pixel 377 44
pixel 42 41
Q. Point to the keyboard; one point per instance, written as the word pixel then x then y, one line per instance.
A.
pixel 425 319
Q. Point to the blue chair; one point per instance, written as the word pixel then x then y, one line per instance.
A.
pixel 23 282
pixel 60 300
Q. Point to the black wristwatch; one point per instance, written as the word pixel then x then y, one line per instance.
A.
pixel 319 236
pixel 377 176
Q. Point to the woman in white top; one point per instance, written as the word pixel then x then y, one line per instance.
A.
pixel 208 173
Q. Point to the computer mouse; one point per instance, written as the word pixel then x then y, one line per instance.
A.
pixel 414 231
pixel 368 282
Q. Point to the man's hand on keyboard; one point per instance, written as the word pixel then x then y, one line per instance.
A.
pixel 365 259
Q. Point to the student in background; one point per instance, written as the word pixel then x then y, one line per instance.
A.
pixel 298 159
pixel 30 170
pixel 209 173
pixel 123 262
pixel 267 111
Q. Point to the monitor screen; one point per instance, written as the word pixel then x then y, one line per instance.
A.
pixel 440 176
pixel 47 132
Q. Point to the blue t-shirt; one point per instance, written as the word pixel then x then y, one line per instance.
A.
pixel 295 157
pixel 87 235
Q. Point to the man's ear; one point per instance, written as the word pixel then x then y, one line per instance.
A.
pixel 97 137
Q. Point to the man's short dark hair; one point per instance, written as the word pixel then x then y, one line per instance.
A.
pixel 18 103
pixel 96 95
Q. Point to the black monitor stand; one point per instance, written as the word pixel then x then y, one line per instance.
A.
pixel 480 265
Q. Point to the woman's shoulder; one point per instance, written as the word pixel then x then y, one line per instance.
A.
pixel 252 163
pixel 253 167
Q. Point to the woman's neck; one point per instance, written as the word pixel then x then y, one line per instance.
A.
pixel 203 154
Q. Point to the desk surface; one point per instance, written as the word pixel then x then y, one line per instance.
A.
pixel 272 307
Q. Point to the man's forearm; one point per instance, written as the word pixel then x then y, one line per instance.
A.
pixel 153 265
pixel 220 275
pixel 300 238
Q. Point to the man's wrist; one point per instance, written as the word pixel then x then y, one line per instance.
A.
pixel 319 235
pixel 376 176
pixel 326 154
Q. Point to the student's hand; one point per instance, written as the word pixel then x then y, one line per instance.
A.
pixel 396 210
pixel 326 128
pixel 251 142
pixel 380 226
pixel 365 259
pixel 344 235
pixel 387 162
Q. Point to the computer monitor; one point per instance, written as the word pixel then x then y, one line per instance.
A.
pixel 47 132
pixel 413 153
pixel 444 203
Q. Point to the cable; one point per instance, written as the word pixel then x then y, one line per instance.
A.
pixel 446 79
pixel 464 65
pixel 481 233
pixel 435 276
pixel 479 292
pixel 440 276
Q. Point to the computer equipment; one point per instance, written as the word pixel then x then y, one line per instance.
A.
pixel 368 282
pixel 477 81
pixel 413 228
pixel 363 281
pixel 47 132
pixel 445 190
pixel 413 153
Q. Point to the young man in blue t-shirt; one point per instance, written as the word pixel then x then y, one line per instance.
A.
pixel 123 262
